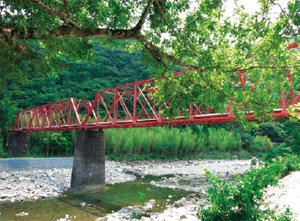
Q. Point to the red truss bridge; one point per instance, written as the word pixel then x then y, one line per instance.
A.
pixel 131 105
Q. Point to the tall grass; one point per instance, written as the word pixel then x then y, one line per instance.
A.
pixel 171 142
pixel 152 142
pixel 222 140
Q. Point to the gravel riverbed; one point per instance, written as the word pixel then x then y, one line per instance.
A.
pixel 21 184
pixel 28 182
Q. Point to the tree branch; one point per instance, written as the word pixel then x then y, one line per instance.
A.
pixel 66 32
pixel 163 63
pixel 161 12
pixel 67 7
pixel 263 67
pixel 186 51
pixel 279 6
pixel 155 51
pixel 52 11
pixel 142 20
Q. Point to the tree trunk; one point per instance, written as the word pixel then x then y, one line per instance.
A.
pixel 4 135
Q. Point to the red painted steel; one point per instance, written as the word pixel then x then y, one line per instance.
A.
pixel 61 115
pixel 131 105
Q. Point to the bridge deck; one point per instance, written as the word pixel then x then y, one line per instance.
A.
pixel 214 118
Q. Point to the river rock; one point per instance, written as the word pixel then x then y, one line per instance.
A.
pixel 21 214
pixel 32 184
pixel 136 173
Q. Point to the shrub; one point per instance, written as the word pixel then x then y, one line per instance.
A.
pixel 261 144
pixel 137 215
pixel 243 155
pixel 247 140
pixel 167 148
pixel 170 142
pixel 273 130
pixel 295 144
pixel 215 155
pixel 241 201
pixel 57 144
pixel 276 151
pixel 266 144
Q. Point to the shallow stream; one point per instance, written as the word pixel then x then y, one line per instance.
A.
pixel 186 179
pixel 97 204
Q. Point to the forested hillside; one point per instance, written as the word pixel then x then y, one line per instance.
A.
pixel 83 80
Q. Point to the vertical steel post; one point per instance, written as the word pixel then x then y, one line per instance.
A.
pixel 134 103
pixel 59 109
pixel 283 101
pixel 291 89
pixel 91 108
pixel 75 111
pixel 18 117
pixel 70 113
pixel 207 110
pixel 51 115
pixel 154 108
pixel 115 107
pixel 191 111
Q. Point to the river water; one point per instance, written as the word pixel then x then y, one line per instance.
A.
pixel 97 204
pixel 184 179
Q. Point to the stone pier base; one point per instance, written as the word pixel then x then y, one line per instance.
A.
pixel 18 144
pixel 88 172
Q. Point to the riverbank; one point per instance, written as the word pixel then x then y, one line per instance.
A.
pixel 27 183
pixel 285 195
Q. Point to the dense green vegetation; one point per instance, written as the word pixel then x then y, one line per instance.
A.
pixel 242 200
pixel 36 44
pixel 37 38
pixel 112 68
pixel 84 80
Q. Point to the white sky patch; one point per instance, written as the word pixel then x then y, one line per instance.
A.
pixel 251 6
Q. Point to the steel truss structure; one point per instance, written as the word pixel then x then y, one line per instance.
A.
pixel 132 105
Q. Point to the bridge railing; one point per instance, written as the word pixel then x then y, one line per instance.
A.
pixel 65 114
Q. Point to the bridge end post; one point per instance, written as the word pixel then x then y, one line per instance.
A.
pixel 88 172
pixel 18 144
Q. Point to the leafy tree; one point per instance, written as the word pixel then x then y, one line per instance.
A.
pixel 36 36
pixel 274 131
pixel 8 111
pixel 293 136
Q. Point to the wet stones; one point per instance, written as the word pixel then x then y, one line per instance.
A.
pixel 22 185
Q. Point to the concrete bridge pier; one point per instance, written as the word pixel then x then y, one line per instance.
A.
pixel 18 144
pixel 88 172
